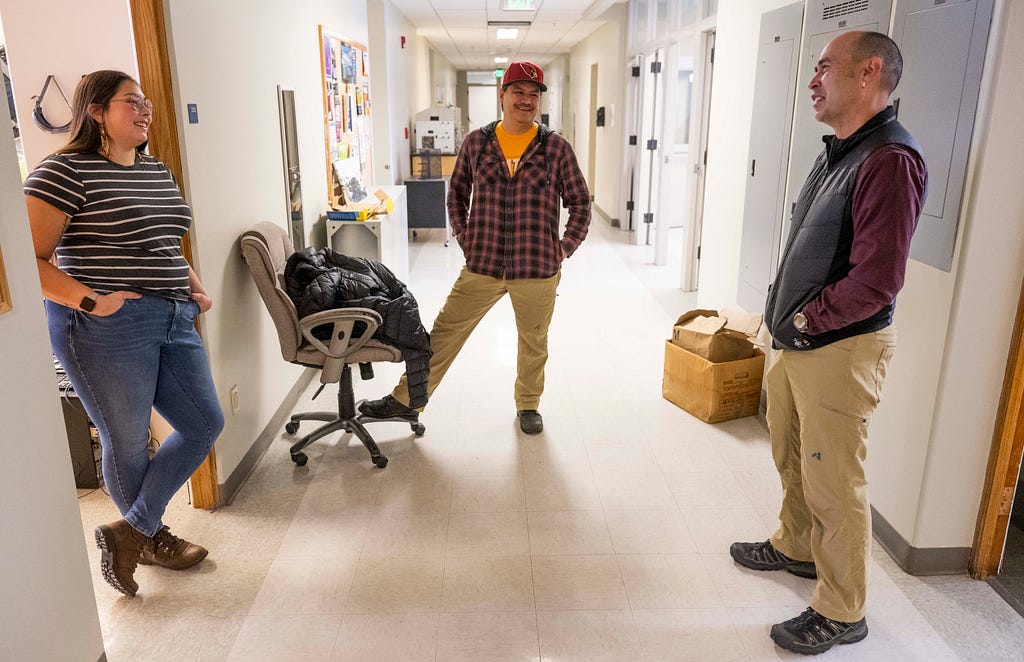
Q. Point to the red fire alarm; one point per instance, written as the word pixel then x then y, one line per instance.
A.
pixel 406 133
pixel 403 41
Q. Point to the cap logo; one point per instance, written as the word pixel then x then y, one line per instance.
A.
pixel 529 70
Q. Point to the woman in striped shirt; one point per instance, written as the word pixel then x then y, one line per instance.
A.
pixel 121 308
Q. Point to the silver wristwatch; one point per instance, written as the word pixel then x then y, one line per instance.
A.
pixel 800 322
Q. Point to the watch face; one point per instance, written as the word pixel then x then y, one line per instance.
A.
pixel 87 304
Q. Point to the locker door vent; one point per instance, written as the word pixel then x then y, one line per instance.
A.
pixel 843 8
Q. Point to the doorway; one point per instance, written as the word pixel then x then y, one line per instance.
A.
pixel 482 89
pixel 652 101
pixel 998 550
pixel 703 80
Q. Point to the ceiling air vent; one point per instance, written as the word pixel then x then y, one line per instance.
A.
pixel 843 8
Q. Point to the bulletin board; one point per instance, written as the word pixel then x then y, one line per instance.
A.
pixel 346 77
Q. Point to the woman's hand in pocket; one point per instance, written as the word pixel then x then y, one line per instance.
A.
pixel 108 304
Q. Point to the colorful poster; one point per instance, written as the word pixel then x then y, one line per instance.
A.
pixel 347 130
pixel 348 64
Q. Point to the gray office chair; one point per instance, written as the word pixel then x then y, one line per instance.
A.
pixel 265 249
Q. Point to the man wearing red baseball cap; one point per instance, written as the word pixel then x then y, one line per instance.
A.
pixel 527 71
pixel 517 172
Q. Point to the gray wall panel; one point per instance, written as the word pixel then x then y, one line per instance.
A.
pixel 943 48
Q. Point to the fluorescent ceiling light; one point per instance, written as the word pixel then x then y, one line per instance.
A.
pixel 500 60
pixel 517 5
pixel 508 33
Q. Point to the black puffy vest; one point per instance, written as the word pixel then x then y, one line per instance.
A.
pixel 817 252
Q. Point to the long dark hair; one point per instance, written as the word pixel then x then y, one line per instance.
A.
pixel 98 88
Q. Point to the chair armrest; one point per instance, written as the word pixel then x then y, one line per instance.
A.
pixel 341 343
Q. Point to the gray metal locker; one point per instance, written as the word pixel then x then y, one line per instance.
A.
pixel 825 20
pixel 943 46
pixel 774 85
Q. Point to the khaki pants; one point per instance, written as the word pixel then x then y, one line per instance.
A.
pixel 819 405
pixel 533 301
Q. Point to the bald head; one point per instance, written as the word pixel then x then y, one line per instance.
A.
pixel 864 45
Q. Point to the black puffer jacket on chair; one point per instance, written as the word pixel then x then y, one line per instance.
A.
pixel 321 279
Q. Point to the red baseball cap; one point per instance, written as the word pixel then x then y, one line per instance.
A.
pixel 527 71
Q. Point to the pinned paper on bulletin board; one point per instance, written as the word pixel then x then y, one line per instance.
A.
pixel 347 129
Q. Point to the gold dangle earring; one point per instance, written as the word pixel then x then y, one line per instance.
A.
pixel 104 142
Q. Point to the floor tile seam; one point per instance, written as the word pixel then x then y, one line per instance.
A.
pixel 629 602
pixel 344 601
pixel 711 572
pixel 444 571
pixel 618 249
pixel 529 546
pixel 733 612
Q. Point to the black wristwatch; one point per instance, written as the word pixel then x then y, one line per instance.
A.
pixel 88 302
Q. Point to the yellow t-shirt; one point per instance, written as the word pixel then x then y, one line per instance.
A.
pixel 513 145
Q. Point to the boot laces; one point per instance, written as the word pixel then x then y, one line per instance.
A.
pixel 164 538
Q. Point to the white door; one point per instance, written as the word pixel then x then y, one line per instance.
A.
pixel 652 106
pixel 631 149
pixel 698 159
pixel 674 152
pixel 483 105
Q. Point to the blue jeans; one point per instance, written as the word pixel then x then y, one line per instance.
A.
pixel 146 355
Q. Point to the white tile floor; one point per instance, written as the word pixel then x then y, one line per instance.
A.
pixel 605 538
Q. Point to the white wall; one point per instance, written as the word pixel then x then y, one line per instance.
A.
pixel 948 442
pixel 605 47
pixel 228 59
pixel 77 38
pixel 732 98
pixel 552 102
pixel 47 609
pixel 931 435
pixel 421 83
pixel 393 108
pixel 443 79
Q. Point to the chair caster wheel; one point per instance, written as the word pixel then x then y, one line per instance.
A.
pixel 418 429
pixel 380 461
pixel 291 427
pixel 300 459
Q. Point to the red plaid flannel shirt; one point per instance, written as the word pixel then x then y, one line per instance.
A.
pixel 511 228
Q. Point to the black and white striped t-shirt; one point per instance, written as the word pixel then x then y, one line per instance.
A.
pixel 126 222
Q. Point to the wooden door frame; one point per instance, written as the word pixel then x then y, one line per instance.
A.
pixel 1004 461
pixel 150 33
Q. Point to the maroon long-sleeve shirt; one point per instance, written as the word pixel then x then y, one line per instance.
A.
pixel 887 200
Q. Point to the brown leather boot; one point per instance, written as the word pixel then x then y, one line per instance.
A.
pixel 121 546
pixel 170 551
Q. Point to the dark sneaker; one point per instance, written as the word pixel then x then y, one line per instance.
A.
pixel 388 407
pixel 121 546
pixel 811 633
pixel 171 552
pixel 530 421
pixel 762 556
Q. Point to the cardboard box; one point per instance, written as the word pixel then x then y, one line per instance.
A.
pixel 717 338
pixel 713 392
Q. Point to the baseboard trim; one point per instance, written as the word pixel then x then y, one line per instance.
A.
pixel 614 222
pixel 918 560
pixel 230 487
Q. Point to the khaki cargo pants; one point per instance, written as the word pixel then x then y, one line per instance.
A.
pixel 819 405
pixel 533 302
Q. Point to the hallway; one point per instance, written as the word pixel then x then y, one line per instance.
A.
pixel 605 538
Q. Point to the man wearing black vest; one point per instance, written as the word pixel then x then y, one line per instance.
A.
pixel 829 312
